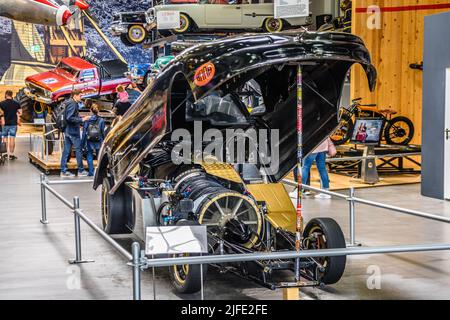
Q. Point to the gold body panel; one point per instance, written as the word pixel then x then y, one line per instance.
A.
pixel 222 170
pixel 281 211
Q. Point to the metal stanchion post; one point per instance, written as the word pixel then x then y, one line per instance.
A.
pixel 136 251
pixel 351 204
pixel 44 220
pixel 77 220
pixel 202 292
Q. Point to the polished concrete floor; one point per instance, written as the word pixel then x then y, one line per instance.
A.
pixel 34 256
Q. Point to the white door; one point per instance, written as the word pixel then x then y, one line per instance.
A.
pixel 447 137
pixel 223 15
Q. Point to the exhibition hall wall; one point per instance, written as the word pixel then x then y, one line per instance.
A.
pixel 394 37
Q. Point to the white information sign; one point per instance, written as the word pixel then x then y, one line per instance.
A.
pixel 291 8
pixel 176 240
pixel 168 20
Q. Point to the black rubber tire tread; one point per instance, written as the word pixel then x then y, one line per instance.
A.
pixel 118 206
pixel 334 239
pixel 192 283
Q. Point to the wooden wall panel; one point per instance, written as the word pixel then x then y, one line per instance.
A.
pixel 394 47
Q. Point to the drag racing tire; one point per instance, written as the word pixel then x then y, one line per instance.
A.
pixel 115 209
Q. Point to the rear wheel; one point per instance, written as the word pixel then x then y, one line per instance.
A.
pixel 399 131
pixel 273 25
pixel 136 34
pixel 115 209
pixel 187 278
pixel 325 233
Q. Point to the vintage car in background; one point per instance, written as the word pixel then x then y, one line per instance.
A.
pixel 233 16
pixel 135 28
pixel 142 74
pixel 244 206
pixel 45 90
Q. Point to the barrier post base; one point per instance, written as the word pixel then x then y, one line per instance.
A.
pixel 74 261
pixel 291 294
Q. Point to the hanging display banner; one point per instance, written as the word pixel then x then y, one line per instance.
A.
pixel 291 8
pixel 168 20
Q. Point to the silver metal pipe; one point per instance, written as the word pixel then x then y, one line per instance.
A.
pixel 375 204
pixel 351 208
pixel 104 235
pixel 318 190
pixel 403 210
pixel 59 196
pixel 136 250
pixel 164 262
pixel 76 205
pixel 43 200
pixel 57 182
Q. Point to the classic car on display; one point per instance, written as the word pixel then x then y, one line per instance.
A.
pixel 244 206
pixel 134 28
pixel 45 90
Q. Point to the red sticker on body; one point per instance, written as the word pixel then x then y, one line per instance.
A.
pixel 204 74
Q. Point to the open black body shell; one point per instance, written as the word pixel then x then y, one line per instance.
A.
pixel 270 59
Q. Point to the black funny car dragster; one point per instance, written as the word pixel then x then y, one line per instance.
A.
pixel 245 208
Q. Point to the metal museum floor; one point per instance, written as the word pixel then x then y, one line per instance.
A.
pixel 34 257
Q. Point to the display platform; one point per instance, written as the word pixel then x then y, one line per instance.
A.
pixel 52 163
pixel 390 160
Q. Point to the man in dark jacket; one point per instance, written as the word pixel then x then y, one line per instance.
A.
pixel 93 136
pixel 72 136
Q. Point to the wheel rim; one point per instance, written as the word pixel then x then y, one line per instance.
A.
pixel 274 25
pixel 181 271
pixel 319 244
pixel 218 211
pixel 184 24
pixel 137 33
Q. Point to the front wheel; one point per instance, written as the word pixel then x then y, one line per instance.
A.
pixel 273 25
pixel 187 278
pixel 344 132
pixel 325 233
pixel 185 24
pixel 136 34
pixel 399 131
